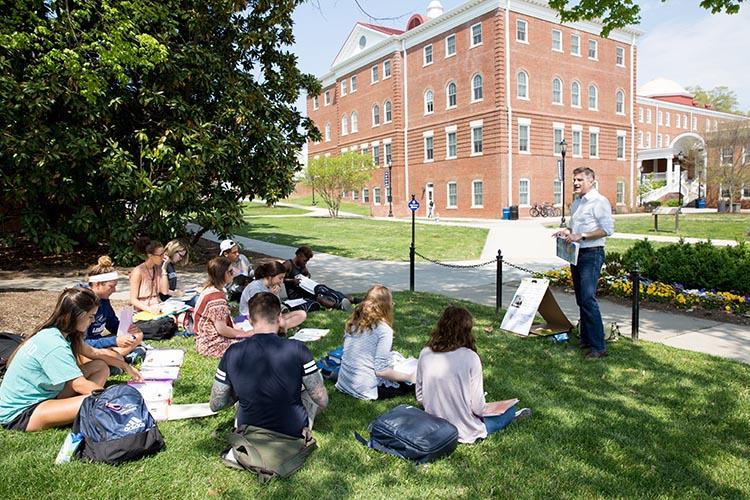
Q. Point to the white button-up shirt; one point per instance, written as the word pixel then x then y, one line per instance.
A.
pixel 592 211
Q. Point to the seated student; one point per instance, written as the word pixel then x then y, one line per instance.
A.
pixel 367 363
pixel 323 297
pixel 146 283
pixel 214 330
pixel 266 373
pixel 44 385
pixel 268 278
pixel 102 333
pixel 175 252
pixel 449 379
pixel 243 273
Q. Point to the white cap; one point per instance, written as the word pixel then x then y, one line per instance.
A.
pixel 226 245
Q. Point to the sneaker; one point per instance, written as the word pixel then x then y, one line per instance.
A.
pixel 136 355
pixel 346 305
pixel 522 413
pixel 113 370
pixel 594 355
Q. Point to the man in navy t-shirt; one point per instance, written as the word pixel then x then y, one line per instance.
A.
pixel 265 373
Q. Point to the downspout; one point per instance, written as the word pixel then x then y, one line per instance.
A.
pixel 508 103
pixel 632 122
pixel 405 100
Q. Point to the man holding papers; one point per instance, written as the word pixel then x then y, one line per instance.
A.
pixel 299 285
pixel 590 224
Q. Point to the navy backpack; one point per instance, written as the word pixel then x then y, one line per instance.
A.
pixel 116 426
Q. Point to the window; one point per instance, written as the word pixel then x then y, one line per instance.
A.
pixel 427 55
pixel 363 150
pixel 387 110
pixel 640 138
pixel 429 148
pixel 658 140
pixel 620 192
pixel 724 192
pixel 388 153
pixel 344 125
pixel 452 194
pixel 376 154
pixel 666 119
pixel 476 35
pixel 684 121
pixel 557 192
pixel 355 122
pixel 522 31
pixel 451 145
pixel 648 139
pixel 428 102
pixel 745 191
pixel 477 93
pixel 386 69
pixel 523 136
pixel 640 115
pixel 575 45
pixel 328 132
pixel 593 49
pixel 450 45
pixel 375 115
pixel 366 195
pixel 666 140
pixel 522 85
pixel 315 102
pixel 557 91
pixel 575 95
pixel 726 155
pixel 659 117
pixel 557 137
pixel 577 142
pixel 374 74
pixel 620 56
pixel 523 192
pixel 477 133
pixel 593 100
pixel 343 87
pixel 620 102
pixel 355 195
pixel 451 95
pixel 557 41
pixel 620 146
pixel 593 143
pixel 326 97
pixel 353 85
pixel 695 123
pixel 376 195
pixel 648 116
pixel 477 194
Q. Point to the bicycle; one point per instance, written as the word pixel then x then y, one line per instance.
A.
pixel 545 209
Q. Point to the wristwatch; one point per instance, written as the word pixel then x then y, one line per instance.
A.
pixel 583 236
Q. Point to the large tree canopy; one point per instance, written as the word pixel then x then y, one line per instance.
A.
pixel 620 13
pixel 120 118
pixel 720 98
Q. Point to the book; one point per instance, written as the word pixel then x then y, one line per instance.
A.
pixel 154 390
pixel 496 408
pixel 307 284
pixel 310 334
pixel 163 357
pixel 160 373
pixel 290 303
pixel 126 319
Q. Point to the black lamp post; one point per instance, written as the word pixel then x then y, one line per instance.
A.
pixel 390 190
pixel 680 160
pixel 313 189
pixel 563 150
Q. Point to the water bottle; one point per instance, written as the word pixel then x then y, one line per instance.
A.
pixel 559 338
pixel 72 441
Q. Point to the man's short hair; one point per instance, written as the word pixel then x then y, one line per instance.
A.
pixel 264 306
pixel 305 251
pixel 587 172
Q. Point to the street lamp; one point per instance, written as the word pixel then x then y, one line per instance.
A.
pixel 312 179
pixel 680 159
pixel 390 190
pixel 563 150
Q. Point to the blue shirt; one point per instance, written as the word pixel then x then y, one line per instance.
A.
pixel 592 211
pixel 102 333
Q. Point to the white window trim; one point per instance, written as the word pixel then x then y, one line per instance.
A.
pixel 385 114
pixel 342 86
pixel 386 77
pixel 623 57
pixel 595 130
pixel 315 103
pixel 527 122
pixel 448 195
pixel 553 193
pixel 424 102
pixel 528 182
pixel 577 106
pixel 475 125
pixel 528 83
pixel 374 197
pixel 447 96
pixel 561 127
pixel 576 128
pixel 624 134
pixel 596 50
pixel 425 135
pixel 451 129
pixel 424 55
pixel 471 35
pixel 471 86
pixel 648 115
pixel 473 193
pixel 562 91
pixel 352 88
pixel 619 113
pixel 326 98
pixel 575 54
pixel 526 31
pixel 624 187
pixel 562 45
pixel 376 68
pixel 588 97
pixel 455 47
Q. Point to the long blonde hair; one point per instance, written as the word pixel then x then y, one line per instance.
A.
pixel 377 307
pixel 175 246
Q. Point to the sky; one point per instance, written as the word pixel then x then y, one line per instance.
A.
pixel 681 41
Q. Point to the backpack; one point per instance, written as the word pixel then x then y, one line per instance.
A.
pixel 158 329
pixel 268 453
pixel 412 434
pixel 9 342
pixel 116 426
pixel 330 364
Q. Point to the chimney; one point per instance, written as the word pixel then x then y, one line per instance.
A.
pixel 435 9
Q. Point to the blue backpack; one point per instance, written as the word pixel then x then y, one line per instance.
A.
pixel 116 426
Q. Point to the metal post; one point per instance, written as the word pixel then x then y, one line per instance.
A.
pixel 499 281
pixel 411 251
pixel 635 281
pixel 563 150
pixel 390 196
pixel 313 190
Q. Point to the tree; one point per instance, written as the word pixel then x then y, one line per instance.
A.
pixel 614 14
pixel 720 98
pixel 332 176
pixel 729 158
pixel 122 118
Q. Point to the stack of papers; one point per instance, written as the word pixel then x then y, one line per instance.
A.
pixel 310 334
pixel 406 365
pixel 307 284
pixel 162 364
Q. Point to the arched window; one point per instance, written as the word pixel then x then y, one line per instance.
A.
pixel 451 95
pixel 344 125
pixel 575 94
pixel 429 105
pixel 557 91
pixel 388 111
pixel 522 85
pixel 328 132
pixel 620 102
pixel 375 115
pixel 355 122
pixel 593 97
pixel 477 88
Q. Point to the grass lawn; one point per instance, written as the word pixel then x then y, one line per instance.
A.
pixel 622 244
pixel 649 421
pixel 368 239
pixel 254 209
pixel 346 206
pixel 714 226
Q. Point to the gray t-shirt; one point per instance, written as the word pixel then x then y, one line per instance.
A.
pixel 254 288
pixel 364 354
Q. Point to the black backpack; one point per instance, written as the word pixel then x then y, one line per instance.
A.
pixel 412 434
pixel 9 342
pixel 158 329
pixel 116 426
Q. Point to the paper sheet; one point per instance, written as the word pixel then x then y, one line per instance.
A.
pixel 407 365
pixel 163 357
pixel 196 410
pixel 126 319
pixel 496 408
pixel 307 284
pixel 310 334
pixel 290 303
pixel 160 373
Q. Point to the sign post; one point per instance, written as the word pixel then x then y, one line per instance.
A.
pixel 387 181
pixel 413 206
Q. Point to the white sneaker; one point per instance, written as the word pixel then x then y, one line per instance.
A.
pixel 346 305
pixel 522 413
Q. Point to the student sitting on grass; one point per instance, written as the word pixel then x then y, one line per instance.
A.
pixel 367 363
pixel 323 297
pixel 266 373
pixel 146 283
pixel 44 385
pixel 449 379
pixel 268 278
pixel 214 330
pixel 243 273
pixel 175 252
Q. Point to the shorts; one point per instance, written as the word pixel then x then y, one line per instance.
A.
pixel 22 419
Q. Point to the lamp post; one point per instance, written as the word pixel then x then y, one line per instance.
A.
pixel 680 159
pixel 313 189
pixel 563 150
pixel 390 190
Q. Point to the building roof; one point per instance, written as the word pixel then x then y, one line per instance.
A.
pixel 661 87
pixel 382 29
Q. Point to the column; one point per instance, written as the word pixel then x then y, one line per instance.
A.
pixel 669 171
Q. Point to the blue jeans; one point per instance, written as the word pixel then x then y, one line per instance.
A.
pixel 585 279
pixel 499 422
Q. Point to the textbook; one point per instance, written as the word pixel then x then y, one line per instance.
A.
pixel 291 303
pixel 160 372
pixel 163 357
pixel 307 284
pixel 496 408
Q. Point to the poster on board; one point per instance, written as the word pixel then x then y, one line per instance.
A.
pixel 534 296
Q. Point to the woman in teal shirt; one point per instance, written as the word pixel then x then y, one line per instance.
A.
pixel 44 384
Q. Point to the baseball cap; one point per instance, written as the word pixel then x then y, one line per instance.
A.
pixel 226 245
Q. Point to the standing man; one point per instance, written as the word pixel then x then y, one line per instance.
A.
pixel 591 222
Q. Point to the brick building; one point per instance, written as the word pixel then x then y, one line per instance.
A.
pixel 468 107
